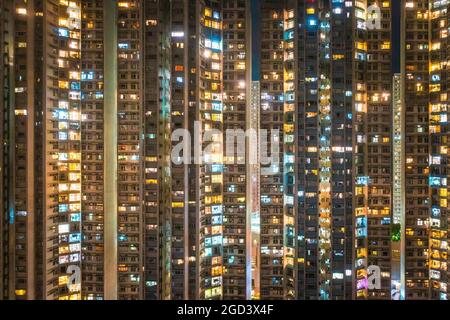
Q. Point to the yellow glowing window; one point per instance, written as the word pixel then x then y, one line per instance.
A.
pixel 288 128
pixel 74 75
pixel 20 112
pixel 216 117
pixel 63 84
pixel 122 268
pixel 386 4
pixel 435 87
pixel 310 11
pixel 177 204
pixel 361 45
pixel 208 12
pixel 386 45
pixel 435 67
pixel 123 4
pixel 419 87
pixel 21 11
pixel 217 178
pixel 338 56
pixel 151 22
pixel 151 181
pixel 240 66
pixel 74 166
pixel 62 280
pixel 63 249
pixel 436 46
pixel 62 22
pixel 361 252
pixel 90 25
pixel 20 292
pixel 61 63
pixel 216 271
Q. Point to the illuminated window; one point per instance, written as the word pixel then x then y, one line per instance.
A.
pixel 21 11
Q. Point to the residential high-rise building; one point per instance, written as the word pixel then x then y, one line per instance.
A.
pixel 237 118
pixel 139 160
pixel 398 191
pixel 271 181
pixel 379 144
pixel 254 193
pixel 425 89
pixel 326 84
pixel 93 207
pixel 5 151
pixel 18 151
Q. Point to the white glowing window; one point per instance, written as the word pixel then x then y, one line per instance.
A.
pixel 21 11
pixel 177 34
pixel 63 228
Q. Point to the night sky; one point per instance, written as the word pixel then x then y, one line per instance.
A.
pixel 256 39
pixel 395 37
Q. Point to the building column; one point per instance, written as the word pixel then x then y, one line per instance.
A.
pixel 110 150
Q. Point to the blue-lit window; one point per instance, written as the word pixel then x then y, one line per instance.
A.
pixel 361 222
pixel 62 135
pixel 74 237
pixel 216 209
pixel 217 106
pixel 74 86
pixel 217 240
pixel 312 22
pixel 435 181
pixel 75 217
pixel 216 219
pixel 123 46
pixel 63 115
pixel 265 199
pixel 63 32
pixel 435 77
pixel 87 75
pixel 216 168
